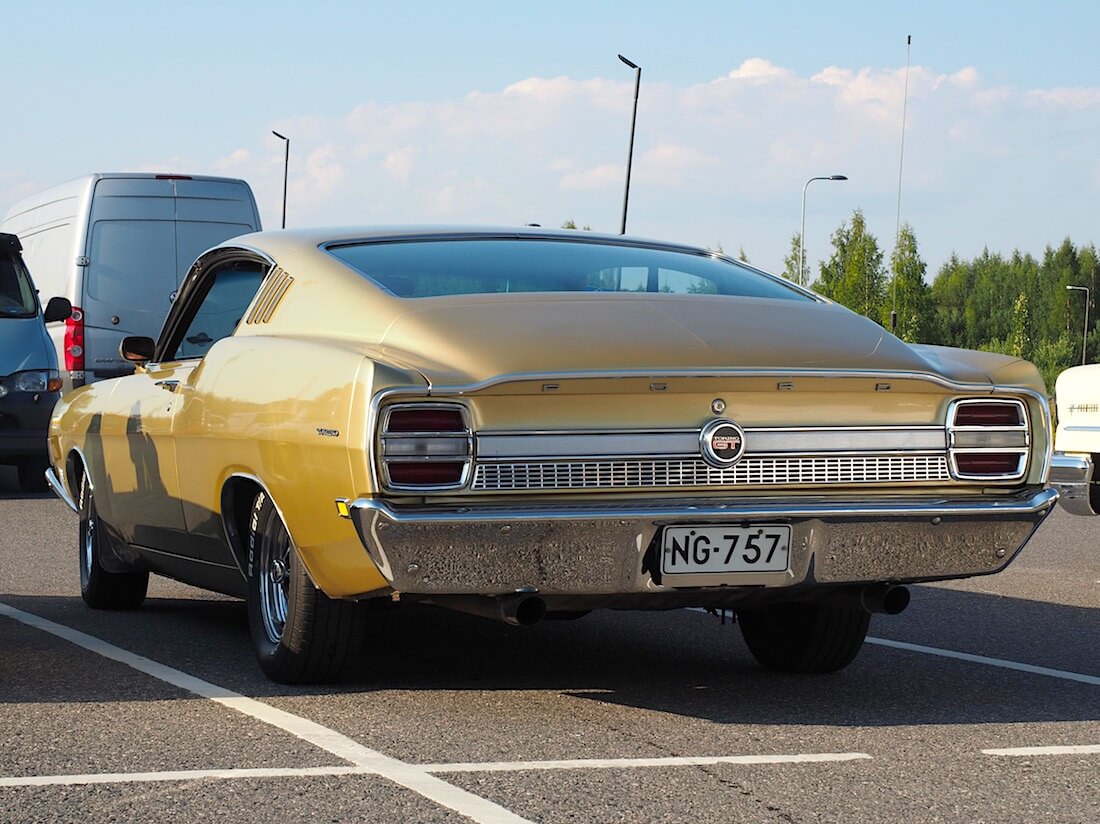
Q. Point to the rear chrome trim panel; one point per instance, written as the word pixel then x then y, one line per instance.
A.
pixel 613 476
pixel 800 440
pixel 443 391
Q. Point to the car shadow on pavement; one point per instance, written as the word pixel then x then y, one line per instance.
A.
pixel 678 662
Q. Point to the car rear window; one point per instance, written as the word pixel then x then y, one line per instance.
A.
pixel 16 292
pixel 431 268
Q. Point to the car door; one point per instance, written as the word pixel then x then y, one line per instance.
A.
pixel 216 294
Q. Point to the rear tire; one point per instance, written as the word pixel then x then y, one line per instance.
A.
pixel 99 588
pixel 804 638
pixel 300 635
pixel 32 474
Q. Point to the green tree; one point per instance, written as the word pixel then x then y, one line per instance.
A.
pixel 1020 342
pixel 790 263
pixel 854 275
pixel 909 292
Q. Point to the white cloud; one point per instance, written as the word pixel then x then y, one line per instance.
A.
pixel 399 163
pixel 1069 98
pixel 721 160
pixel 760 70
pixel 237 160
pixel 669 164
pixel 604 176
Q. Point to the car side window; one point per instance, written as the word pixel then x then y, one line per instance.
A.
pixel 231 291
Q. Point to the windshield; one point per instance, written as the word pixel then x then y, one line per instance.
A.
pixel 17 298
pixel 430 268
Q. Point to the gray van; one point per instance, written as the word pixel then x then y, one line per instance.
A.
pixel 29 380
pixel 117 245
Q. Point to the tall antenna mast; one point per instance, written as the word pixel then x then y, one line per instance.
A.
pixel 901 164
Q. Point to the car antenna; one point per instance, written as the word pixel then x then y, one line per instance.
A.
pixel 901 163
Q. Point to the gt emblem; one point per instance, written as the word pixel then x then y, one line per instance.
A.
pixel 722 443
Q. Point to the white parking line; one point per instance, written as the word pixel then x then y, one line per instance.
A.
pixel 990 662
pixel 489 766
pixel 628 763
pixel 176 775
pixel 406 775
pixel 1086 749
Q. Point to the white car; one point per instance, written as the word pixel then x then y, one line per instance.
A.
pixel 1077 441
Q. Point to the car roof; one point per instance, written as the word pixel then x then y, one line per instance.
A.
pixel 338 235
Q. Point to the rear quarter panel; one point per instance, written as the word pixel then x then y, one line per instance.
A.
pixel 293 414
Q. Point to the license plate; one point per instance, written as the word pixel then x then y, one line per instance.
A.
pixel 724 549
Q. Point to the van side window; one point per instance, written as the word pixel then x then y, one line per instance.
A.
pixel 232 289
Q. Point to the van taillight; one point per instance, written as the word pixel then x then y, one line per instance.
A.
pixel 172 177
pixel 74 341
pixel 425 446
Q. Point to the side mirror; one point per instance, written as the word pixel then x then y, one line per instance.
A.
pixel 136 349
pixel 58 309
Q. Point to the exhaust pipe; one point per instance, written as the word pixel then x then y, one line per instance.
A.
pixel 517 610
pixel 884 599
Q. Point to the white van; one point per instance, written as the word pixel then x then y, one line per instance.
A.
pixel 118 245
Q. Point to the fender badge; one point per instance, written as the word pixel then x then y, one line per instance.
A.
pixel 328 433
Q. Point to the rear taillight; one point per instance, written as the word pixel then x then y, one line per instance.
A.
pixel 74 341
pixel 988 439
pixel 425 447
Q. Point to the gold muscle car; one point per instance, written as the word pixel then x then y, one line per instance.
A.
pixel 521 423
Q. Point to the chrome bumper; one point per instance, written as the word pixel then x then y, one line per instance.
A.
pixel 1072 475
pixel 605 549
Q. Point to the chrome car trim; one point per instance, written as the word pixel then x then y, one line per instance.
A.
pixel 383 436
pixel 432 391
pixel 681 510
pixel 584 549
pixel 1021 452
pixel 682 443
pixel 1073 475
pixel 59 490
pixel 697 473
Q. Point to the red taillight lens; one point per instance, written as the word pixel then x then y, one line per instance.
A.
pixel 443 419
pixel 989 414
pixel 988 463
pixel 426 474
pixel 74 341
pixel 426 446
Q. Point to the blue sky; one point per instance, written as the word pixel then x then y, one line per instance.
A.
pixel 509 113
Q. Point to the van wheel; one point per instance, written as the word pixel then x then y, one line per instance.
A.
pixel 32 474
pixel 300 635
pixel 99 588
pixel 804 638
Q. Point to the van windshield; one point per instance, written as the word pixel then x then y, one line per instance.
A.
pixel 17 298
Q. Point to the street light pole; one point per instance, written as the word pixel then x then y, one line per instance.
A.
pixel 1085 331
pixel 630 152
pixel 286 169
pixel 802 231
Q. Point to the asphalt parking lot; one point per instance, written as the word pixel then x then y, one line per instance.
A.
pixel 980 703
